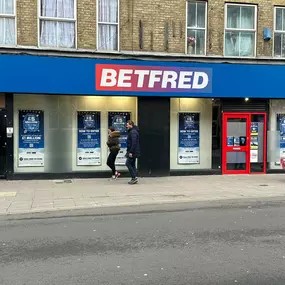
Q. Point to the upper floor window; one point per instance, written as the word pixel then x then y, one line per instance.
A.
pixel 196 27
pixel 108 25
pixel 279 32
pixel 7 22
pixel 240 30
pixel 57 23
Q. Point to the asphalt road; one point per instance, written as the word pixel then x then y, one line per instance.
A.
pixel 240 245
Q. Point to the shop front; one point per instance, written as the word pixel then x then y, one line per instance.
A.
pixel 193 118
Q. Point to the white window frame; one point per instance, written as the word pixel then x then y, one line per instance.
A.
pixel 107 23
pixel 276 31
pixel 240 30
pixel 55 19
pixel 12 16
pixel 196 28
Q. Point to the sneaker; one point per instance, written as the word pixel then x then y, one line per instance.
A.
pixel 113 177
pixel 133 181
pixel 118 174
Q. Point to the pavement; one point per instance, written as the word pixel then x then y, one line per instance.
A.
pixel 220 246
pixel 39 196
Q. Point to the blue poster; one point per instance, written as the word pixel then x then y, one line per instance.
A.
pixel 230 141
pixel 254 129
pixel 118 120
pixel 189 138
pixel 282 132
pixel 31 138
pixel 88 138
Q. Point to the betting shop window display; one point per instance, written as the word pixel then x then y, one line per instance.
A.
pixel 62 134
pixel 191 133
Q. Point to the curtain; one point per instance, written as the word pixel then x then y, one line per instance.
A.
pixel 7 25
pixel 57 33
pixel 240 43
pixel 108 28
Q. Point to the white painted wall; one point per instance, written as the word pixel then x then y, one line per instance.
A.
pixel 204 107
pixel 60 122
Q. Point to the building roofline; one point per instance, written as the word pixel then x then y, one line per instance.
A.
pixel 138 55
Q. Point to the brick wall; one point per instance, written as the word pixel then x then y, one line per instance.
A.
pixel 161 24
pixel 27 22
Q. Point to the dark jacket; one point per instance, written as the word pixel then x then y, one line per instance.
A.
pixel 113 141
pixel 133 142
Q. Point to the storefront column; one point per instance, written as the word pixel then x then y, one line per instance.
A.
pixel 154 128
pixel 10 138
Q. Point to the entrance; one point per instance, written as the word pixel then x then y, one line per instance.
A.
pixel 244 143
pixel 2 144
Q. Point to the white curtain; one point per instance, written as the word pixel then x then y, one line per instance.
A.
pixel 240 43
pixel 108 25
pixel 7 25
pixel 57 33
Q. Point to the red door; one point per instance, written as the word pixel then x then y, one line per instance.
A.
pixel 244 143
pixel 236 145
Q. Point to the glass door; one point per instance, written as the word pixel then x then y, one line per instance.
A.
pixel 236 144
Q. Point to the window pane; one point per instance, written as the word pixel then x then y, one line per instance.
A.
pixel 247 17
pixel 191 19
pixel 108 37
pixel 233 16
pixel 65 9
pixel 277 44
pixel 66 34
pixel 58 8
pixel 7 7
pixel 196 42
pixel 7 31
pixel 201 14
pixel 48 32
pixel 108 11
pixel 240 44
pixel 278 19
pixel 283 19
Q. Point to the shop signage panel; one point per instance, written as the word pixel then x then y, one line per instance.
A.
pixel 124 77
pixel 118 120
pixel 189 138
pixel 115 77
pixel 88 138
pixel 282 135
pixel 31 138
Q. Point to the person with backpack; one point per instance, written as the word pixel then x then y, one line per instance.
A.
pixel 114 146
pixel 133 150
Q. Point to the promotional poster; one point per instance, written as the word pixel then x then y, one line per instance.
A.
pixel 31 138
pixel 282 135
pixel 189 138
pixel 88 138
pixel 118 120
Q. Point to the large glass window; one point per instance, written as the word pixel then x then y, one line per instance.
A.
pixel 195 134
pixel 240 30
pixel 196 27
pixel 57 23
pixel 279 32
pixel 62 134
pixel 7 22
pixel 108 23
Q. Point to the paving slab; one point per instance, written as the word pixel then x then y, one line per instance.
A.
pixel 49 195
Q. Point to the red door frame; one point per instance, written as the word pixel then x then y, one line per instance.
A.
pixel 246 149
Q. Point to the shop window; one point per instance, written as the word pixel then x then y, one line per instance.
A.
pixel 196 27
pixel 57 23
pixel 195 142
pixel 65 134
pixel 108 25
pixel 7 22
pixel 240 30
pixel 279 32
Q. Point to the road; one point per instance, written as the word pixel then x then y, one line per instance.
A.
pixel 239 245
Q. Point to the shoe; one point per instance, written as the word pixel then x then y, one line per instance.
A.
pixel 133 181
pixel 117 175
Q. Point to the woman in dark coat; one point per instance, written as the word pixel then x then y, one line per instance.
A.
pixel 114 146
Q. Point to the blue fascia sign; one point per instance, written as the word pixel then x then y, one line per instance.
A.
pixel 84 76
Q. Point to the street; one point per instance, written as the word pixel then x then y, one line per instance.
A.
pixel 226 245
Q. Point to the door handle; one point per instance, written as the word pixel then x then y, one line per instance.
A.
pixel 236 148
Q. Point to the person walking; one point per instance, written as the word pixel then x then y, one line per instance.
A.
pixel 114 146
pixel 133 150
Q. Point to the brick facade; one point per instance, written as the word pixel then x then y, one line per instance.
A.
pixel 152 26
